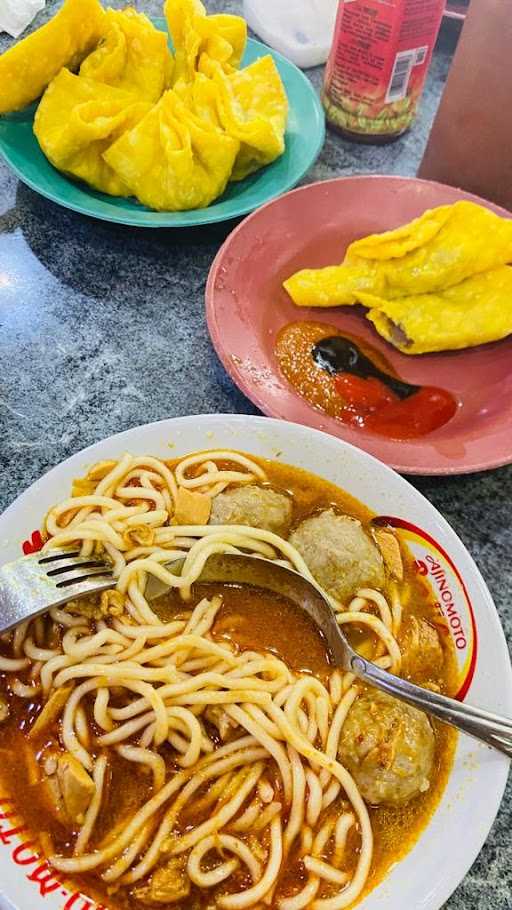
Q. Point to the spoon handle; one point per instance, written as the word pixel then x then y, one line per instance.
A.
pixel 490 728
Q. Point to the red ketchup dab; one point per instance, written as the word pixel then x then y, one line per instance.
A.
pixel 378 401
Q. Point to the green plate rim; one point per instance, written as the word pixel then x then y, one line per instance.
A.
pixel 195 217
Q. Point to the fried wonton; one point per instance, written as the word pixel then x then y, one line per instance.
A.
pixel 476 311
pixel 28 67
pixel 201 98
pixel 172 160
pixel 133 56
pixel 77 120
pixel 197 36
pixel 442 248
pixel 253 107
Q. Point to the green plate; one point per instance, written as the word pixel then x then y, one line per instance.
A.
pixel 304 139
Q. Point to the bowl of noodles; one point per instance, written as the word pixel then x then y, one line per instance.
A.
pixel 179 742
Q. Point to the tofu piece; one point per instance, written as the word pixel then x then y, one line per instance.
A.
pixel 51 793
pixel 390 550
pixel 76 785
pixel 192 508
pixel 422 652
pixel 4 710
pixel 169 884
pixel 51 711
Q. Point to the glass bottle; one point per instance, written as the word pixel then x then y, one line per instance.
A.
pixel 378 65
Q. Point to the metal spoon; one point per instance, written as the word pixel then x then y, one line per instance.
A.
pixel 490 728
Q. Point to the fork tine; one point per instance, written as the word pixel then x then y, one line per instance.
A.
pixel 91 585
pixel 78 577
pixel 56 555
pixel 78 564
pixel 34 584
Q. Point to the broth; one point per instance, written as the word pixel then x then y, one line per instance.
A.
pixel 252 620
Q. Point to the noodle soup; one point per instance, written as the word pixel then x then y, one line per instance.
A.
pixel 201 749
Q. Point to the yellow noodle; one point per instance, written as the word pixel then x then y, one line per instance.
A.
pixel 265 791
pixel 304 896
pixel 252 895
pixel 274 748
pixel 343 825
pixel 22 690
pixel 314 802
pixel 296 816
pixel 325 870
pixel 19 636
pixel 146 757
pixel 101 713
pixel 126 859
pixel 92 812
pixel 377 626
pixel 13 665
pixel 266 816
pixel 221 842
pixel 248 817
pixel 82 727
pixel 224 815
pixel 213 824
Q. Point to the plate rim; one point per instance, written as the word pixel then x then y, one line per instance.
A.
pixel 440 892
pixel 207 215
pixel 273 412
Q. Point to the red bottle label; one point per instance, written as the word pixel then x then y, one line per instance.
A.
pixel 378 63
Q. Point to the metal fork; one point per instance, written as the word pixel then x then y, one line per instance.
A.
pixel 34 584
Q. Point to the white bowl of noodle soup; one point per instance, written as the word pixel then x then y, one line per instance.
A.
pixel 457 830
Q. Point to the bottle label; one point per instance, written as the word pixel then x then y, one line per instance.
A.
pixel 378 63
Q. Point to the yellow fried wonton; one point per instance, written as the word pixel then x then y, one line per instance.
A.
pixel 172 160
pixel 476 311
pixel 442 248
pixel 28 67
pixel 197 36
pixel 252 107
pixel 133 56
pixel 77 120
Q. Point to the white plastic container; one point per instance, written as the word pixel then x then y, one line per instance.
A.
pixel 302 30
pixel 16 15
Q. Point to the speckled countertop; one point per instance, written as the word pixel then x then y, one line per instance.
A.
pixel 102 328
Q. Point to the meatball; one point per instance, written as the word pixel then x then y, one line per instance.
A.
pixel 339 553
pixel 422 654
pixel 388 747
pixel 255 506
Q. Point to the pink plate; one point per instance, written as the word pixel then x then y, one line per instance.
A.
pixel 311 227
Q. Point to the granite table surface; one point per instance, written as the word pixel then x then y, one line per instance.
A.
pixel 102 328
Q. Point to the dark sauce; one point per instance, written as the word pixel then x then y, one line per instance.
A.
pixel 338 354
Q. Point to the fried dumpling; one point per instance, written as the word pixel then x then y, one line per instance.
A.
pixel 172 160
pixel 133 56
pixel 334 285
pixel 443 247
pixel 197 36
pixel 77 120
pixel 201 98
pixel 253 107
pixel 476 311
pixel 28 67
